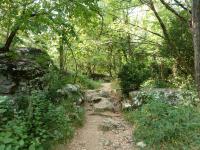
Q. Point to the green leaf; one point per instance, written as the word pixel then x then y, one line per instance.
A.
pixel 21 142
pixel 2 147
pixel 2 111
pixel 31 147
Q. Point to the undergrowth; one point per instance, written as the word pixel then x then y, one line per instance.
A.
pixel 40 119
pixel 163 126
pixel 87 83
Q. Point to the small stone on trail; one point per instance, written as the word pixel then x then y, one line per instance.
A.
pixel 126 105
pixel 106 142
pixel 104 94
pixel 141 144
pixel 111 125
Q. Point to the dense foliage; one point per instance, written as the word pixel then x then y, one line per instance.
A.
pixel 162 125
pixel 140 44
pixel 132 75
pixel 37 120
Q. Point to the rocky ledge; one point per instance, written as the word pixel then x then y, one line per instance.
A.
pixel 21 69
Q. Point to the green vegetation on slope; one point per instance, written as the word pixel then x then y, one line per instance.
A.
pixel 162 125
pixel 42 118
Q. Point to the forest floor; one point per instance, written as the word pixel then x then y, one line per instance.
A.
pixel 105 130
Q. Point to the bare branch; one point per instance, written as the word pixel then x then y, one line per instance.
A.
pixel 182 6
pixel 157 34
pixel 172 10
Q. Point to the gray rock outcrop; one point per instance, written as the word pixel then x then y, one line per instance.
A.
pixel 22 69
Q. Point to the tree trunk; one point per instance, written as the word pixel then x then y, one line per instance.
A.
pixel 128 37
pixel 61 55
pixel 162 25
pixel 196 40
pixel 9 40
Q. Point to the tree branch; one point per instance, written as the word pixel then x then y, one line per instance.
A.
pixel 182 6
pixel 172 10
pixel 157 34
pixel 162 25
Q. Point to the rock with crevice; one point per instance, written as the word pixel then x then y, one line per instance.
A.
pixel 22 69
pixel 69 89
pixel 104 94
pixel 90 94
pixel 96 99
pixel 94 96
pixel 141 144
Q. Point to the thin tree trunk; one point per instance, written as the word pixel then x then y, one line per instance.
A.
pixel 196 40
pixel 61 54
pixel 164 29
pixel 9 40
pixel 110 57
pixel 126 21
pixel 162 25
pixel 13 33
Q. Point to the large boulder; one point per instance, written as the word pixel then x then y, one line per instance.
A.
pixel 69 89
pixel 103 93
pixel 170 96
pixel 95 96
pixel 22 68
pixel 104 105
pixel 90 94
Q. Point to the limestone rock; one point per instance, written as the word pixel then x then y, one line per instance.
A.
pixel 69 89
pixel 104 105
pixel 141 144
pixel 133 94
pixel 23 68
pixel 126 105
pixel 6 85
pixel 95 96
pixel 105 94
pixel 110 124
pixel 90 94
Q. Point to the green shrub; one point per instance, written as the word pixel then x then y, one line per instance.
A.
pixel 155 84
pixel 87 83
pixel 38 123
pixel 14 134
pixel 182 82
pixel 164 126
pixel 54 81
pixel 132 75
pixel 38 120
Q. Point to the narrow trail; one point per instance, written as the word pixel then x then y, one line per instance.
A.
pixel 105 130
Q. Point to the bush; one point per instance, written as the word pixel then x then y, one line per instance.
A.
pixel 132 75
pixel 40 124
pixel 155 84
pixel 40 119
pixel 87 83
pixel 182 82
pixel 56 81
pixel 164 126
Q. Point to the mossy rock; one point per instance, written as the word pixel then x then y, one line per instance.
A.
pixel 23 65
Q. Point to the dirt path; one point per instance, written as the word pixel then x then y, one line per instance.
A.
pixel 102 131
